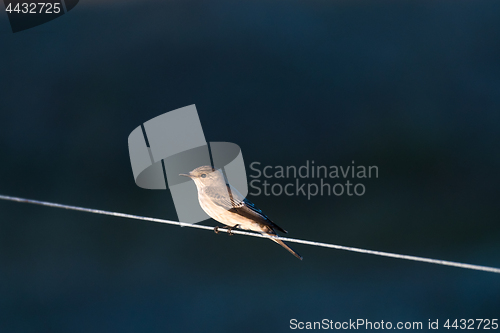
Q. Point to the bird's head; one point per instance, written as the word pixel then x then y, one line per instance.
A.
pixel 205 175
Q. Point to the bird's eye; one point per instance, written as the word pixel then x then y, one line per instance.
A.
pixel 203 175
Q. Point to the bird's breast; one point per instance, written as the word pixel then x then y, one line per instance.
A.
pixel 215 211
pixel 226 217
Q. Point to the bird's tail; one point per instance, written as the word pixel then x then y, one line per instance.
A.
pixel 288 248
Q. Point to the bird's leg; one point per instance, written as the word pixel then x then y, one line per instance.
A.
pixel 230 229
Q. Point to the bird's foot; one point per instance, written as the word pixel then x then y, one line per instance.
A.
pixel 230 229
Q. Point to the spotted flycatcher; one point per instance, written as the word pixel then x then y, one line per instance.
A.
pixel 225 204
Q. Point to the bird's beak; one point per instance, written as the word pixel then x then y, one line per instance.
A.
pixel 185 175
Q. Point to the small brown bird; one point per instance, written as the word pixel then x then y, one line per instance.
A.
pixel 225 204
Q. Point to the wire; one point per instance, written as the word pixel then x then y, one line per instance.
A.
pixel 239 232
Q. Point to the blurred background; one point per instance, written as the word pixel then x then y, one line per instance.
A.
pixel 412 87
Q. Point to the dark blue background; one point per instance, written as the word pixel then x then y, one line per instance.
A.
pixel 412 87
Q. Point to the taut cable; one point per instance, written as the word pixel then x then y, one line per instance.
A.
pixel 239 232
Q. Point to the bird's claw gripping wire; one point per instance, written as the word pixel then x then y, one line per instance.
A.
pixel 229 229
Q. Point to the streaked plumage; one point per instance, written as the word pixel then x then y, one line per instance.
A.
pixel 225 204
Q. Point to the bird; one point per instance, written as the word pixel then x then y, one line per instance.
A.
pixel 226 205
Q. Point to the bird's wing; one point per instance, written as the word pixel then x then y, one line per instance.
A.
pixel 235 203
